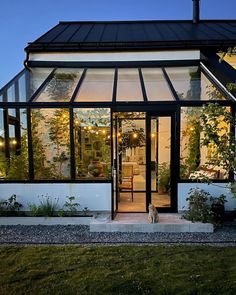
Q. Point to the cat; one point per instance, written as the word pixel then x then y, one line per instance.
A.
pixel 153 214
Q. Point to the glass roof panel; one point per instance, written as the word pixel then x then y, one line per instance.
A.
pixel 191 84
pixel 97 86
pixel 156 86
pixel 128 86
pixel 37 77
pixel 61 87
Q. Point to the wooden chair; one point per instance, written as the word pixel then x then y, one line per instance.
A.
pixel 127 179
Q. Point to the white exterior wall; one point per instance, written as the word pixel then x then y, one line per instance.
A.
pixel 214 190
pixel 95 196
pixel 117 56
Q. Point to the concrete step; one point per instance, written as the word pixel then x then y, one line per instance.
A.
pixel 138 222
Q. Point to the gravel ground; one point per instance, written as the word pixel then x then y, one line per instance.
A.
pixel 79 234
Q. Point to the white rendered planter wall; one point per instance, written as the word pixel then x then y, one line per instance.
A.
pixel 214 190
pixel 94 196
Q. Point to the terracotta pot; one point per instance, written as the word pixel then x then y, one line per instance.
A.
pixel 95 168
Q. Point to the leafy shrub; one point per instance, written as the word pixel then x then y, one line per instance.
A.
pixel 70 207
pixel 198 206
pixel 47 207
pixel 10 207
pixel 203 207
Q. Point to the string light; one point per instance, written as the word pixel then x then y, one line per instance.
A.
pixel 118 134
pixel 153 135
pixel 14 141
pixel 135 135
pixel 103 131
pixel 89 127
pixel 191 129
pixel 1 143
pixel 76 122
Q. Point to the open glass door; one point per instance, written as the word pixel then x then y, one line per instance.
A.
pixel 160 175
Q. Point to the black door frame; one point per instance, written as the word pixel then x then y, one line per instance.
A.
pixel 173 158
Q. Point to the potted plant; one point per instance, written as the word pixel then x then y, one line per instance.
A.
pixel 163 178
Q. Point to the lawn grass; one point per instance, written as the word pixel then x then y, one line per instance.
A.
pixel 117 270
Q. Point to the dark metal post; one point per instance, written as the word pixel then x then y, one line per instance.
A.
pixel 196 11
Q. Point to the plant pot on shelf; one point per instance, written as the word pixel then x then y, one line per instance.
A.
pixel 95 168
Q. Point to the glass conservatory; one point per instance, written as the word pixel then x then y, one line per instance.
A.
pixel 134 130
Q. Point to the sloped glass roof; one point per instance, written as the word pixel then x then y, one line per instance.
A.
pixel 112 85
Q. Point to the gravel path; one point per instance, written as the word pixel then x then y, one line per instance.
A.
pixel 79 234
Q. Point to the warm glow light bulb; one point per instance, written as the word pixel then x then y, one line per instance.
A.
pixel 108 137
pixel 153 135
pixel 191 129
pixel 135 135
pixel 1 143
pixel 76 122
pixel 103 131
pixel 90 127
pixel 97 132
pixel 14 141
pixel 118 134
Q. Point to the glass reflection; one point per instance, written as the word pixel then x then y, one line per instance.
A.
pixel 190 83
pixel 92 143
pixel 61 87
pixel 51 143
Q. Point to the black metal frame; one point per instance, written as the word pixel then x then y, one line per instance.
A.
pixel 172 108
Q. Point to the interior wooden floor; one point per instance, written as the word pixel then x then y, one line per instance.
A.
pixel 125 203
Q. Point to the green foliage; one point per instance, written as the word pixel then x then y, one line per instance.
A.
pixel 19 164
pixel 190 163
pixel 42 169
pixel 10 207
pixel 59 134
pixel 164 177
pixel 47 207
pixel 129 141
pixel 70 208
pixel 215 121
pixel 203 207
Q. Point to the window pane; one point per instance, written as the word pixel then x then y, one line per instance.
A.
pixel 61 86
pixel 14 148
pixel 22 88
pixel 156 86
pixel 51 143
pixel 195 158
pixel 209 91
pixel 92 143
pixel 97 86
pixel 191 84
pixel 37 77
pixel 128 87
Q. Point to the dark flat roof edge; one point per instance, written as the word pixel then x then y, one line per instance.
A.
pixel 144 21
pixel 65 47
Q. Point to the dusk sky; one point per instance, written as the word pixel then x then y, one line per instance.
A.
pixel 22 21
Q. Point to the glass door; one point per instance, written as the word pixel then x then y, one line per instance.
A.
pixel 162 187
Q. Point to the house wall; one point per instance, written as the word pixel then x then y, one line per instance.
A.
pixel 95 196
pixel 214 189
pixel 117 56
